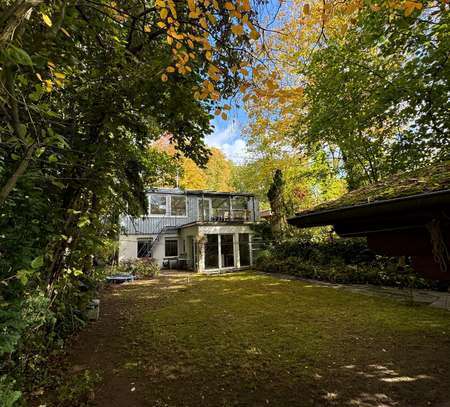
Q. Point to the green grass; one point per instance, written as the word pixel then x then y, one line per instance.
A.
pixel 250 340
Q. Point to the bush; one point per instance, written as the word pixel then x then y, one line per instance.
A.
pixel 344 274
pixel 342 261
pixel 145 267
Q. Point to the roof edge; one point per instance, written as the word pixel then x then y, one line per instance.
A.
pixel 330 216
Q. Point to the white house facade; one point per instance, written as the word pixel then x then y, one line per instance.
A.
pixel 204 231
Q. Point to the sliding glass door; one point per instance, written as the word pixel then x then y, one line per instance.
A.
pixel 219 251
pixel 227 250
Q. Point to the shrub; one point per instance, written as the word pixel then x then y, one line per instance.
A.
pixel 345 273
pixel 145 267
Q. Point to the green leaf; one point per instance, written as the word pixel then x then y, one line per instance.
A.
pixel 83 222
pixel 58 184
pixel 22 130
pixel 37 263
pixel 53 158
pixel 19 56
pixel 39 151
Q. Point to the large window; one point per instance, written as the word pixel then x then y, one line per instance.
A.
pixel 171 247
pixel 144 248
pixel 227 250
pixel 178 205
pixel 204 211
pixel 239 207
pixel 220 208
pixel 158 205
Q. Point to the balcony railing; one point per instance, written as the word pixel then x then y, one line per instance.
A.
pixel 219 215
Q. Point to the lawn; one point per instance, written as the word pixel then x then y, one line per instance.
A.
pixel 251 340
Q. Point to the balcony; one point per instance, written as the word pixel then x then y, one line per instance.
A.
pixel 218 215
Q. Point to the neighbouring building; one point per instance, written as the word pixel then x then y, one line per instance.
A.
pixel 405 215
pixel 204 231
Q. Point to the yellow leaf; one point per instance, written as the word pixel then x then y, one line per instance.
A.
pixel 306 9
pixel 224 116
pixel 190 43
pixel 237 29
pixel 66 33
pixel 212 18
pixel 208 55
pixel 160 25
pixel 59 75
pixel 243 87
pixel 191 4
pixel 164 77
pixel 245 5
pixel 217 112
pixel 163 13
pixel 203 23
pixel 208 85
pixel 227 107
pixel 229 6
pixel 169 40
pixel 254 35
pixel 170 69
pixel 47 19
pixel 48 85
pixel 243 71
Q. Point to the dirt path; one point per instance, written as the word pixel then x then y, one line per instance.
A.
pixel 252 340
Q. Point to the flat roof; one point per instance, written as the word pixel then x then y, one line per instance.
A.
pixel 178 191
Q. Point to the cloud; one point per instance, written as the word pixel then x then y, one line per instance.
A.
pixel 229 140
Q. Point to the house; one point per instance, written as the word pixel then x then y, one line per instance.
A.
pixel 405 215
pixel 204 231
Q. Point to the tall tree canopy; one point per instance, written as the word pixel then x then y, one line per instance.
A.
pixel 86 87
pixel 366 83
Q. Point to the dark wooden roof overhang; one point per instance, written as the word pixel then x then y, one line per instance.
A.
pixel 403 213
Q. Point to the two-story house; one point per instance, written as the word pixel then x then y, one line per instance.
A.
pixel 204 231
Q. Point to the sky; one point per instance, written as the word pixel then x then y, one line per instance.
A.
pixel 227 135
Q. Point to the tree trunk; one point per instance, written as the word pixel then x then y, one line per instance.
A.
pixel 13 17
pixel 20 170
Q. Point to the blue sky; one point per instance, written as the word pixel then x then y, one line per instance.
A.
pixel 227 135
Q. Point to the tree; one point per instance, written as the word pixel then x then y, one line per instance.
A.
pixel 366 83
pixel 277 204
pixel 218 172
pixel 379 96
pixel 86 87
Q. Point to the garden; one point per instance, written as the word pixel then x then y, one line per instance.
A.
pixel 250 339
pixel 295 103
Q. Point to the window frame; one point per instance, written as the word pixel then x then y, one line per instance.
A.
pixel 148 241
pixel 170 239
pixel 158 215
pixel 168 213
pixel 185 206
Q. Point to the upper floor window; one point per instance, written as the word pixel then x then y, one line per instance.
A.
pixel 178 205
pixel 239 202
pixel 168 205
pixel 158 205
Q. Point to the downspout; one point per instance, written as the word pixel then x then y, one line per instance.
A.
pixel 254 209
pixel 203 207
